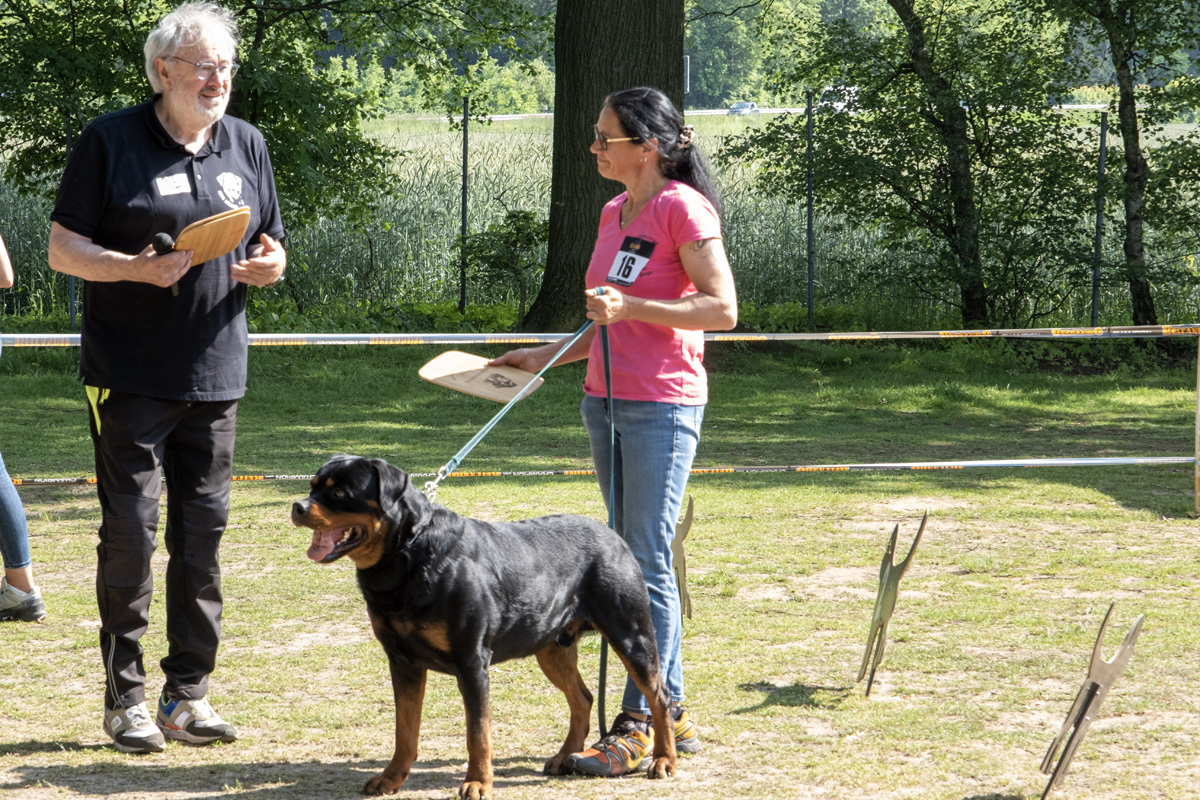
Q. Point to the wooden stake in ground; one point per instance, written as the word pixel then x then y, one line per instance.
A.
pixel 885 601
pixel 1100 679
pixel 679 561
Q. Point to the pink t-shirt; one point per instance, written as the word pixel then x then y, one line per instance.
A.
pixel 651 362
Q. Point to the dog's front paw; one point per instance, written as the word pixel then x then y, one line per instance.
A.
pixel 661 767
pixel 381 784
pixel 557 765
pixel 475 790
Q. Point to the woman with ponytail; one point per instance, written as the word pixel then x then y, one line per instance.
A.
pixel 658 278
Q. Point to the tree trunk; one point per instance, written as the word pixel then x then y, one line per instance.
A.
pixel 1136 172
pixel 950 120
pixel 599 48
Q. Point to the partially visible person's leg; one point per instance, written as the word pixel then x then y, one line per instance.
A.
pixel 654 448
pixel 657 444
pixel 127 434
pixel 20 599
pixel 199 469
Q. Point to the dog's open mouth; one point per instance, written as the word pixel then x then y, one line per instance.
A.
pixel 329 544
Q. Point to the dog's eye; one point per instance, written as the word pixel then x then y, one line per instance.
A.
pixel 340 494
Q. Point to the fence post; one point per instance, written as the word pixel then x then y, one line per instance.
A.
pixel 1099 220
pixel 462 283
pixel 809 205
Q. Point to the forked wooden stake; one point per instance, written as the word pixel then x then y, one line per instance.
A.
pixel 885 602
pixel 1101 675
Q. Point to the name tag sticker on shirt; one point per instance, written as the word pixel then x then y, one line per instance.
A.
pixel 630 260
pixel 173 184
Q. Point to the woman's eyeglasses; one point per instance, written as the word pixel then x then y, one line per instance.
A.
pixel 604 140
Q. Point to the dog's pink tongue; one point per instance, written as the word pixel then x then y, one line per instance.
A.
pixel 322 545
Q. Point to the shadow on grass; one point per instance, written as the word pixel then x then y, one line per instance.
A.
pixel 795 696
pixel 269 780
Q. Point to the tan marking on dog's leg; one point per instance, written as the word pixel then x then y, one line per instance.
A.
pixel 663 758
pixel 409 691
pixel 561 665
pixel 478 784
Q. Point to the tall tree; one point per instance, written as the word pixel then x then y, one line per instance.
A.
pixel 725 54
pixel 64 62
pixel 930 137
pixel 1142 36
pixel 599 48
pixel 948 116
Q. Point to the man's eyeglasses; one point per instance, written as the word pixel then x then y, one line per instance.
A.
pixel 604 140
pixel 205 69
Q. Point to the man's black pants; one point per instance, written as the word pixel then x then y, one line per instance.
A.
pixel 135 438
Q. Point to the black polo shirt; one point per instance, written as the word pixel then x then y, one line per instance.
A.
pixel 127 180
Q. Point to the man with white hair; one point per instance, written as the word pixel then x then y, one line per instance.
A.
pixel 163 358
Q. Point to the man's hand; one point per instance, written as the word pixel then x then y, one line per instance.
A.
pixel 264 267
pixel 165 270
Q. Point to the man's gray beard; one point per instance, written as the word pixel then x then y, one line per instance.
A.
pixel 211 115
pixel 201 114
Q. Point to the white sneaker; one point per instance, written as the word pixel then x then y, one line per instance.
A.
pixel 20 606
pixel 192 721
pixel 132 731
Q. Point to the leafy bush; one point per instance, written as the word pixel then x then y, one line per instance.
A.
pixel 279 313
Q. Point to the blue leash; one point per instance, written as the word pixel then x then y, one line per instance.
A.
pixel 452 464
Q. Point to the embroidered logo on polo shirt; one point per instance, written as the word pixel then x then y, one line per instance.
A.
pixel 231 189
pixel 172 184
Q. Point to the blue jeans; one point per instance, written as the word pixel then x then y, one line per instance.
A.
pixel 14 535
pixel 654 447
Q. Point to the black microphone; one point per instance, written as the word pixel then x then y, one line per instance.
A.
pixel 163 244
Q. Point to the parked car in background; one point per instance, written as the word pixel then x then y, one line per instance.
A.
pixel 738 109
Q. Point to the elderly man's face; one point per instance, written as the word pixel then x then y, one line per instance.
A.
pixel 194 95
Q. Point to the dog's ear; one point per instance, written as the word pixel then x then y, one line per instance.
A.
pixel 402 503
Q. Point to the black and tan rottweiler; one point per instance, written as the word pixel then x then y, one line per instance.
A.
pixel 456 595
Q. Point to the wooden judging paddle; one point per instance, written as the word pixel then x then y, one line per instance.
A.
pixel 214 236
pixel 470 374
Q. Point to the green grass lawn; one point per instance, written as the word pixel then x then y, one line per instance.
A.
pixel 988 646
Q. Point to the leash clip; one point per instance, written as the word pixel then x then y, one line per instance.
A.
pixel 431 486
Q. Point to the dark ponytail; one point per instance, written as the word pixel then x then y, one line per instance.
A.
pixel 649 114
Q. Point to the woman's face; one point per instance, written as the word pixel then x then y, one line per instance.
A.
pixel 197 96
pixel 623 159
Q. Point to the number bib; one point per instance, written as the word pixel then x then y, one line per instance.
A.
pixel 630 261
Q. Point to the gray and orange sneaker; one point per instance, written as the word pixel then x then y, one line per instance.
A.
pixel 621 752
pixel 686 740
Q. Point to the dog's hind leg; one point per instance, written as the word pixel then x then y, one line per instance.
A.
pixel 473 685
pixel 561 665
pixel 636 649
pixel 408 687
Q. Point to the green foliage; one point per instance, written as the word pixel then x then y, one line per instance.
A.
pixel 792 317
pixel 508 252
pixel 413 254
pixel 63 63
pixel 725 56
pixel 273 311
pixel 884 154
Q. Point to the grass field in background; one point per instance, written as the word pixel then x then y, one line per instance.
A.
pixel 989 643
